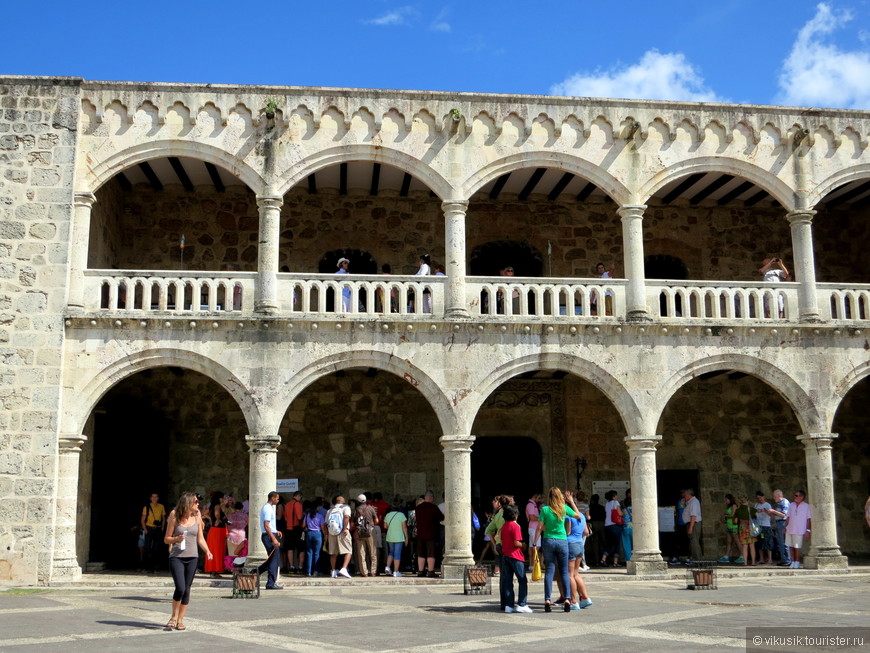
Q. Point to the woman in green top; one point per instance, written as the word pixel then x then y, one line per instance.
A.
pixel 554 545
pixel 730 530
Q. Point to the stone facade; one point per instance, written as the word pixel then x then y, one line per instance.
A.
pixel 702 372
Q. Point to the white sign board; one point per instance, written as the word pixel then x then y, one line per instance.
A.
pixel 600 487
pixel 287 485
pixel 666 519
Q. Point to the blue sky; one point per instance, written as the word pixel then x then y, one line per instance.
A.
pixel 758 51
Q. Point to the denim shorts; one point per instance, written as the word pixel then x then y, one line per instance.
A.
pixel 575 550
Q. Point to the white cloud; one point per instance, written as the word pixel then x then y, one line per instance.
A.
pixel 399 16
pixel 657 76
pixel 818 73
pixel 440 23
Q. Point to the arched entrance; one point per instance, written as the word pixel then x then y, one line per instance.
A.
pixel 163 430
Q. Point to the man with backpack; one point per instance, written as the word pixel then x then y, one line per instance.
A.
pixel 337 530
pixel 366 522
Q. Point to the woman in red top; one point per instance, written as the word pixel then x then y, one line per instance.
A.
pixel 513 563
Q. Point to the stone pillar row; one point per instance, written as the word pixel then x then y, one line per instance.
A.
pixel 456 305
pixel 457 500
pixel 65 565
pixel 266 300
pixel 646 558
pixel 636 309
pixel 804 264
pixel 262 475
pixel 78 256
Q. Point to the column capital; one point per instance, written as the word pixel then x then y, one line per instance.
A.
pixel 817 441
pixel 456 443
pixel 270 201
pixel 84 199
pixel 640 442
pixel 800 216
pixel 631 211
pixel 71 443
pixel 263 442
pixel 454 206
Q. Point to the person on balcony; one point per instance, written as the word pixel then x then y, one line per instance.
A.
pixel 506 271
pixel 602 273
pixel 425 270
pixel 343 265
pixel 773 269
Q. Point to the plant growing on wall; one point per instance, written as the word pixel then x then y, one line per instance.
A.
pixel 271 108
pixel 455 115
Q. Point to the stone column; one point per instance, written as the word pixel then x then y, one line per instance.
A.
pixel 263 472
pixel 646 558
pixel 78 258
pixel 456 305
pixel 804 264
pixel 632 242
pixel 824 551
pixel 457 499
pixel 65 565
pixel 266 298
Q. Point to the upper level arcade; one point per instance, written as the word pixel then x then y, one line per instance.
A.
pixel 210 201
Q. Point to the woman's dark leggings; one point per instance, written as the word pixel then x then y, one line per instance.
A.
pixel 183 571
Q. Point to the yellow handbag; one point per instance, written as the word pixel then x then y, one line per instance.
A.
pixel 537 572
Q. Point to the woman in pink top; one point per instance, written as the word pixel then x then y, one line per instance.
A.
pixel 533 512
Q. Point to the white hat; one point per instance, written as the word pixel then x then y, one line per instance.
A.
pixel 340 261
pixel 361 498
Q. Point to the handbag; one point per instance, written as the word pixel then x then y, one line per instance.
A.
pixel 537 572
pixel 616 516
pixel 754 528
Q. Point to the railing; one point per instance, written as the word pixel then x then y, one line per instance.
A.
pixel 360 294
pixel 554 298
pixel 722 300
pixel 839 303
pixel 169 291
pixel 581 300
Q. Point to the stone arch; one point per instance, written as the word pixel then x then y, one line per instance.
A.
pixel 565 162
pixel 108 377
pixel 841 389
pixel 404 369
pixel 805 410
pixel 103 171
pixel 839 178
pixel 363 152
pixel 764 179
pixel 628 410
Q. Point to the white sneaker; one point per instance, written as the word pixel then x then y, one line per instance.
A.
pixel 585 568
pixel 388 571
pixel 523 608
pixel 508 609
pixel 397 574
pixel 334 574
pixel 343 572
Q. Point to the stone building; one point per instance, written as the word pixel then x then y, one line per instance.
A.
pixel 170 318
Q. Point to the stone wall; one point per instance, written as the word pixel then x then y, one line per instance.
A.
pixel 38 132
pixel 140 229
pixel 355 432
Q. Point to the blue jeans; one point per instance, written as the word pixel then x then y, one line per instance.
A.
pixel 313 543
pixel 511 567
pixel 613 535
pixel 555 553
pixel 273 561
pixel 784 553
pixel 627 541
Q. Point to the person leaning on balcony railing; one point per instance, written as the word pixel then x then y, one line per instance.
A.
pixel 603 273
pixel 343 265
pixel 773 269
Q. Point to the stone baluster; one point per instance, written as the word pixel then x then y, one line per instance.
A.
pixel 646 558
pixel 266 298
pixel 632 242
pixel 65 565
pixel 824 551
pixel 456 304
pixel 78 257
pixel 457 499
pixel 262 475
pixel 804 264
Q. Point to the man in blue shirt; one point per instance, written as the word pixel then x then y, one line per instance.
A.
pixel 780 512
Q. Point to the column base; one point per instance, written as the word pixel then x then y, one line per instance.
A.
pixel 826 562
pixel 811 318
pixel 65 571
pixel 637 316
pixel 266 308
pixel 457 313
pixel 453 566
pixel 648 569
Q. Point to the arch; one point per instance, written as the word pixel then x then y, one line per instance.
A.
pixel 557 160
pixel 794 395
pixel 103 171
pixel 123 368
pixel 782 192
pixel 402 368
pixel 841 389
pixel 628 410
pixel 839 178
pixel 363 152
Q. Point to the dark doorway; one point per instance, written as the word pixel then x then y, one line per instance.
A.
pixel 662 266
pixel 670 483
pixel 131 460
pixel 488 259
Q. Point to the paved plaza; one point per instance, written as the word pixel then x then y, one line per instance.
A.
pixel 385 615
